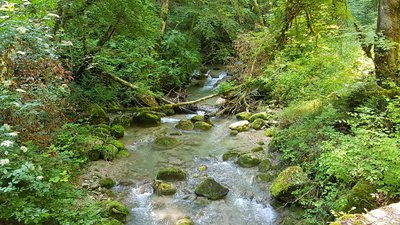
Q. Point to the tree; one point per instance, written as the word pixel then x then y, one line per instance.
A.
pixel 387 56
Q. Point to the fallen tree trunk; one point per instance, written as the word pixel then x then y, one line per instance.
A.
pixel 162 107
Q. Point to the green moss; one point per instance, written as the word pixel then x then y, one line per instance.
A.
pixel 287 181
pixel 117 144
pixel 185 221
pixel 248 161
pixel 102 131
pixel 257 124
pixel 265 165
pixel 163 188
pixel 110 222
pixel 123 120
pixel 123 154
pixel 171 174
pixel 117 131
pixel 360 197
pixel 108 152
pixel 262 116
pixel 234 133
pixel 244 116
pixel 107 183
pixel 230 155
pixel 147 119
pixel 115 209
pixel 257 149
pixel 166 142
pixel 185 125
pixel 94 154
pixel 203 126
pixel 271 132
pixel 211 189
pixel 197 118
pixel 98 115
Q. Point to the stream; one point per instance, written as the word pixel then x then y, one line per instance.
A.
pixel 247 202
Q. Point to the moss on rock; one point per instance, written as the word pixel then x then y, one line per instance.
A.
pixel 117 144
pixel 107 183
pixel 197 118
pixel 108 152
pixel 98 115
pixel 287 181
pixel 211 189
pixel 185 221
pixel 147 119
pixel 171 174
pixel 123 120
pixel 261 115
pixel 203 126
pixel 257 124
pixel 117 131
pixel 248 160
pixel 230 155
pixel 265 165
pixel 163 188
pixel 360 197
pixel 115 209
pixel 166 142
pixel 185 125
pixel 244 116
pixel 240 126
pixel 257 149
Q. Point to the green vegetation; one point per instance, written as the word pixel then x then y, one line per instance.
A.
pixel 321 77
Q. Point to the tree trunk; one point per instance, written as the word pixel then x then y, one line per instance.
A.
pixel 387 58
pixel 257 10
pixel 164 16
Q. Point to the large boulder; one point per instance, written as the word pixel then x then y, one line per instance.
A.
pixel 171 174
pixel 203 126
pixel 211 189
pixel 288 181
pixel 98 115
pixel 248 160
pixel 244 116
pixel 147 119
pixel 115 209
pixel 185 125
pixel 240 126
pixel 360 197
pixel 163 188
pixel 166 142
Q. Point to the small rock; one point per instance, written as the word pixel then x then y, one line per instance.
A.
pixel 240 126
pixel 257 149
pixel 244 116
pixel 197 118
pixel 202 168
pixel 248 161
pixel 230 155
pixel 257 124
pixel 117 131
pixel 185 125
pixel 262 115
pixel 288 181
pixel 107 183
pixel 211 189
pixel 234 133
pixel 147 119
pixel 185 221
pixel 220 101
pixel 264 166
pixel 203 126
pixel 166 142
pixel 171 174
pixel 163 188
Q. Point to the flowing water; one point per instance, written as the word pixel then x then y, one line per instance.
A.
pixel 247 202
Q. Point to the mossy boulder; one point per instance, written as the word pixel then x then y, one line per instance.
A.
pixel 248 161
pixel 117 131
pixel 244 116
pixel 166 142
pixel 108 152
pixel 361 198
pixel 94 154
pixel 257 124
pixel 115 209
pixel 210 189
pixel 271 132
pixel 185 221
pixel 230 155
pixel 123 154
pixel 147 119
pixel 102 130
pixel 110 222
pixel 265 165
pixel 98 115
pixel 240 126
pixel 203 126
pixel 107 183
pixel 123 120
pixel 163 188
pixel 288 181
pixel 91 146
pixel 257 149
pixel 117 144
pixel 261 115
pixel 197 118
pixel 185 125
pixel 171 174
